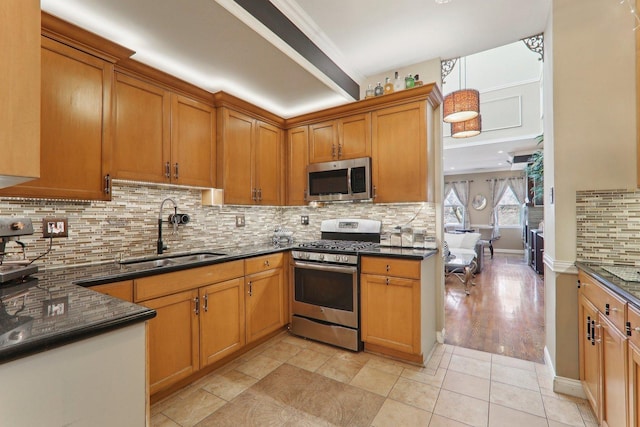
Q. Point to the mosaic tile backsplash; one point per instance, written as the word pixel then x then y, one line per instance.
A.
pixel 608 227
pixel 127 226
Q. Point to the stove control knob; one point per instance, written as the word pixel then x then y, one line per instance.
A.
pixel 321 257
pixel 345 258
pixel 307 256
pixel 338 258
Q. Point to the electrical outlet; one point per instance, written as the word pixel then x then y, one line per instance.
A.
pixel 55 227
pixel 304 219
pixel 239 220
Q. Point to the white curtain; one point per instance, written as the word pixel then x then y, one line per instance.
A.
pixel 519 187
pixel 461 190
pixel 498 187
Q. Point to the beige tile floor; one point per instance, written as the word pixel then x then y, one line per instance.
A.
pixel 289 381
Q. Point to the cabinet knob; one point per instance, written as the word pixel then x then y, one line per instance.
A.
pixel 387 280
pixel 266 263
pixel 388 268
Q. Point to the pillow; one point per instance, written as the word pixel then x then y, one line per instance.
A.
pixel 454 239
pixel 469 240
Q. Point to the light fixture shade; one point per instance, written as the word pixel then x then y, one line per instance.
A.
pixel 461 105
pixel 467 128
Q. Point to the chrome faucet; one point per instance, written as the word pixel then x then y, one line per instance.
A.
pixel 160 245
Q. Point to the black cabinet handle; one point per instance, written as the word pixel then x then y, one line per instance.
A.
pixel 606 309
pixel 578 282
pixel 593 332
pixel 588 328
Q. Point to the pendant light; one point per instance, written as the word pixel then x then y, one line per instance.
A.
pixel 463 104
pixel 468 128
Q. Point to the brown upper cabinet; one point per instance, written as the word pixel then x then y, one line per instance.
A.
pixel 344 138
pixel 75 125
pixel 250 159
pixel 297 161
pixel 399 153
pixel 20 89
pixel 161 136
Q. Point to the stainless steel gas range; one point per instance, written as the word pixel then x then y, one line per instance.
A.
pixel 325 284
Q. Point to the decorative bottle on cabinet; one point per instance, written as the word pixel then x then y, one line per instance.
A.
pixel 388 86
pixel 398 84
pixel 409 82
pixel 369 93
pixel 379 90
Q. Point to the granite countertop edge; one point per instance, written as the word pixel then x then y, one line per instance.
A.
pixel 65 337
pixel 620 287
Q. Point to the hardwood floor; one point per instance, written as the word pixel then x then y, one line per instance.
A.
pixel 504 314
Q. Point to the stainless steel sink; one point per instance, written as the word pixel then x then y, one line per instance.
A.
pixel 151 263
pixel 205 256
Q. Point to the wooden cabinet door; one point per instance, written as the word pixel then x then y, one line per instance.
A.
pixel 391 312
pixel 323 142
pixel 267 164
pixel 634 385
pixel 234 160
pixel 173 339
pixel 399 153
pixel 193 143
pixel 222 323
pixel 141 147
pixel 264 296
pixel 614 374
pixel 122 290
pixel 20 91
pixel 75 126
pixel 589 352
pixel 297 161
pixel 354 136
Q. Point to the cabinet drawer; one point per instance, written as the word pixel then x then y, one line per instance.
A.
pixel 611 306
pixel 633 316
pixel 263 263
pixel 391 267
pixel 122 290
pixel 169 283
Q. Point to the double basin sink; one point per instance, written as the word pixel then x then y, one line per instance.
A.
pixel 166 261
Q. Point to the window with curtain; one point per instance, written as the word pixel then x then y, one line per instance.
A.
pixel 453 209
pixel 509 209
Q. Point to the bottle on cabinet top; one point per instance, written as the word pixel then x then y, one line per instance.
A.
pixel 409 82
pixel 369 92
pixel 379 90
pixel 417 81
pixel 398 84
pixel 388 86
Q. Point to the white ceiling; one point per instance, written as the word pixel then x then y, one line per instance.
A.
pixel 217 45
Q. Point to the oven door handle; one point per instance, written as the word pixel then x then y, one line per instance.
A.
pixel 326 267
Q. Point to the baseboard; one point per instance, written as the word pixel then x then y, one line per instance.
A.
pixel 563 385
pixel 568 386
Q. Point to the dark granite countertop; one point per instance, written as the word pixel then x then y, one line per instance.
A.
pixel 55 307
pixel 630 291
pixel 396 252
pixel 97 274
pixel 36 316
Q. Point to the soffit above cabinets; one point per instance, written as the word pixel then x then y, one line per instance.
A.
pixel 217 45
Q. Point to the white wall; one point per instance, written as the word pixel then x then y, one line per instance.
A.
pixel 590 143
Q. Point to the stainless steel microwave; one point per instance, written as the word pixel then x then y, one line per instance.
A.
pixel 339 180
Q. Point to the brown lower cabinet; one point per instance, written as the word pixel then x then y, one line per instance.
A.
pixel 397 306
pixel 603 349
pixel 205 314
